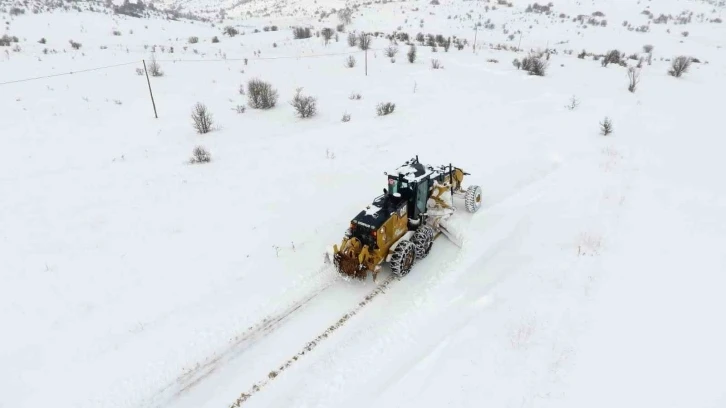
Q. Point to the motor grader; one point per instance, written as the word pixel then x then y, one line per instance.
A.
pixel 400 226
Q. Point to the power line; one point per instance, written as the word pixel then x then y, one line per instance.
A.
pixel 67 73
pixel 183 60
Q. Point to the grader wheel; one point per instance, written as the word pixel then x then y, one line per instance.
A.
pixel 473 199
pixel 403 258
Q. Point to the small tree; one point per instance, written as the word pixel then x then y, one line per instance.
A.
pixel 613 56
pixel 350 61
pixel 352 40
pixel 327 34
pixel 679 66
pixel 386 108
pixel 364 41
pixel 606 126
pixel 306 106
pixel 573 104
pixel 202 118
pixel 633 78
pixel 261 95
pixel 411 55
pixel 390 51
pixel 215 39
pixel 200 155
pixel 517 64
pixel 155 67
pixel 647 48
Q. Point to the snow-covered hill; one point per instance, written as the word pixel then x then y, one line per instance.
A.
pixel 132 278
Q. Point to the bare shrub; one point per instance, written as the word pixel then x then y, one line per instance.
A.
pixel 606 126
pixel 633 78
pixel 200 155
pixel 305 106
pixel 193 40
pixel 385 108
pixel 535 65
pixel 364 41
pixel 355 96
pixel 411 54
pixel 612 56
pixel 573 104
pixel 300 33
pixel 352 40
pixel 327 34
pixel 436 64
pixel 230 31
pixel 350 61
pixel 75 45
pixel 261 95
pixel 390 51
pixel 346 117
pixel 154 67
pixel 240 109
pixel 679 66
pixel 202 119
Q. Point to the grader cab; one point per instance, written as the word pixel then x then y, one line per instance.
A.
pixel 399 227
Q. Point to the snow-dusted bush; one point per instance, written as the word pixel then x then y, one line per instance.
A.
pixel 385 108
pixel 200 155
pixel 355 96
pixel 679 66
pixel 573 104
pixel 202 118
pixel 352 40
pixel 390 51
pixel 517 63
pixel 193 40
pixel 327 33
pixel 42 41
pixel 300 33
pixel 154 67
pixel 606 126
pixel 350 61
pixel 305 106
pixel 345 15
pixel 117 33
pixel 346 117
pixel 364 41
pixel 340 28
pixel 261 94
pixel 538 67
pixel 215 39
pixel 75 45
pixel 633 78
pixel 612 56
pixel 647 48
pixel 230 31
pixel 436 64
pixel 411 55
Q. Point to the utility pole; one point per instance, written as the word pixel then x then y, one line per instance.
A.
pixel 367 45
pixel 476 30
pixel 150 93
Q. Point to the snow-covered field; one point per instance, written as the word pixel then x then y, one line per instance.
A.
pixel 593 275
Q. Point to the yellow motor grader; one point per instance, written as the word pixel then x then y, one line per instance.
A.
pixel 399 227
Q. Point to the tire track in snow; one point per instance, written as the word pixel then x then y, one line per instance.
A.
pixel 259 385
pixel 241 343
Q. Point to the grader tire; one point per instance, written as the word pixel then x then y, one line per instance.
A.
pixel 403 258
pixel 423 240
pixel 473 199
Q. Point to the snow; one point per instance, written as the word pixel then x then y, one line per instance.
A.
pixel 592 275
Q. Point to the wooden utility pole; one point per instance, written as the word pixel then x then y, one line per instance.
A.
pixel 367 45
pixel 476 30
pixel 150 93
